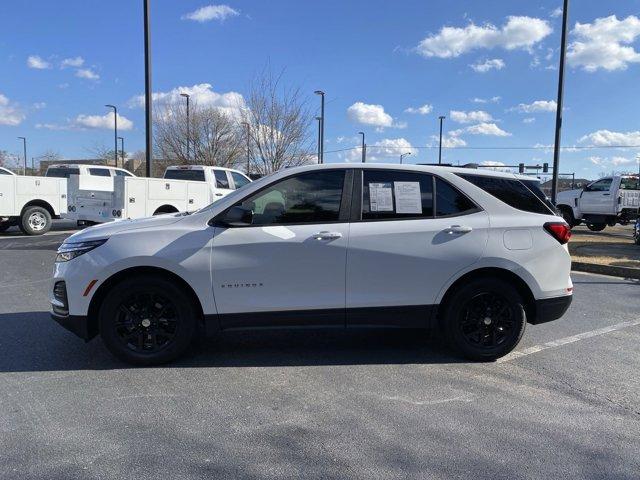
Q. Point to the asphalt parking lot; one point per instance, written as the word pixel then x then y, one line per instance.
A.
pixel 305 404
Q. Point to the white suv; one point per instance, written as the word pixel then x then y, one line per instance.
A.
pixel 477 253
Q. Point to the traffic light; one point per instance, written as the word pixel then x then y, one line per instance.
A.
pixel 545 168
pixel 521 168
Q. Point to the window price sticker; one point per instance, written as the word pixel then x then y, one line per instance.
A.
pixel 380 197
pixel 408 197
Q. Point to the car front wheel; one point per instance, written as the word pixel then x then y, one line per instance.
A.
pixel 147 320
pixel 484 319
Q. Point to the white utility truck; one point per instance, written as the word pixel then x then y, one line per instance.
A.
pixel 607 201
pixel 32 202
pixel 184 188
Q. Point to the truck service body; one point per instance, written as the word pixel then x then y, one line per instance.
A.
pixel 183 188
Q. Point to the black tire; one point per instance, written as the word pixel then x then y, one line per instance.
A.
pixel 596 227
pixel 474 328
pixel 567 215
pixel 147 320
pixel 35 221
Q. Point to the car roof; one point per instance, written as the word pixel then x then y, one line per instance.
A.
pixel 416 168
pixel 201 167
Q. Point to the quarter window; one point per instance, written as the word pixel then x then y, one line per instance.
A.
pixel 306 198
pixel 122 173
pixel 221 179
pixel 391 194
pixel 511 191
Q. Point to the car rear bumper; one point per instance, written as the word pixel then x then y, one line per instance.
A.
pixel 549 309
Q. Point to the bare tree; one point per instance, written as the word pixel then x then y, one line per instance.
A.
pixel 214 136
pixel 8 159
pixel 279 124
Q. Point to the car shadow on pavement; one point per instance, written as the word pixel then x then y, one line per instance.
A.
pixel 31 341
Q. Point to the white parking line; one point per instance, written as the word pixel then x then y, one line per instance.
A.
pixel 566 340
pixel 48 234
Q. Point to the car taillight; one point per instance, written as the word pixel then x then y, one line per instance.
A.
pixel 558 230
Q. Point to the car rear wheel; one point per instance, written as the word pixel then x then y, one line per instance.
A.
pixel 146 320
pixel 596 227
pixel 484 319
pixel 35 221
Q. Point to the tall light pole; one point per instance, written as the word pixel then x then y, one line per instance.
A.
pixel 248 125
pixel 115 132
pixel 364 148
pixel 441 117
pixel 121 152
pixel 186 95
pixel 319 119
pixel 24 148
pixel 321 141
pixel 147 87
pixel 556 148
pixel 402 155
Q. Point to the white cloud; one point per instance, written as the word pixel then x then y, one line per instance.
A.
pixel 605 44
pixel 389 150
pixel 202 94
pixel 450 140
pixel 556 13
pixel 369 114
pixel 537 106
pixel 487 65
pixel 487 129
pixel 39 105
pixel 423 110
pixel 211 12
pixel 37 62
pixel 516 33
pixel 102 121
pixel 596 160
pixel 529 120
pixel 495 99
pixel 87 73
pixel 607 138
pixel 10 114
pixel 616 161
pixel 72 62
pixel 497 166
pixel 470 117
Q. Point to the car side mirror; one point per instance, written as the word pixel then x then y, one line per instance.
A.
pixel 236 216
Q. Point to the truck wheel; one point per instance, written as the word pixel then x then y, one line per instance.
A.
pixel 567 215
pixel 147 320
pixel 596 227
pixel 485 319
pixel 35 221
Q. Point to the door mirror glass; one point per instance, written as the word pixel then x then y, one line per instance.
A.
pixel 237 216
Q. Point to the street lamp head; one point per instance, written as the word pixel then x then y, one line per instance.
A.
pixel 318 118
pixel 442 117
pixel 186 95
pixel 110 106
pixel 319 92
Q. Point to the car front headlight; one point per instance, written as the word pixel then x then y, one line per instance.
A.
pixel 71 250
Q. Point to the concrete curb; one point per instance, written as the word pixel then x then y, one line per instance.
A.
pixel 624 272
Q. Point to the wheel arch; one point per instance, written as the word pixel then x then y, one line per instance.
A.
pixel 100 294
pixel 166 208
pixel 493 272
pixel 39 203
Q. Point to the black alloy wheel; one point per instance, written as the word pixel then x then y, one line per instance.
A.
pixel 148 319
pixel 484 319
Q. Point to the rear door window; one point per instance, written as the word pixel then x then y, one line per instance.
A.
pixel 222 181
pixel 99 172
pixel 510 191
pixel 179 174
pixel 62 172
pixel 396 195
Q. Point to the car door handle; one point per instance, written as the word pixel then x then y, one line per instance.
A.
pixel 327 235
pixel 607 194
pixel 218 194
pixel 458 229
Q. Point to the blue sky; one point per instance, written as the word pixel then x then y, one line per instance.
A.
pixel 490 67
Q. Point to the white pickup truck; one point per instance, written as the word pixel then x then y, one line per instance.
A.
pixel 32 202
pixel 183 189
pixel 607 201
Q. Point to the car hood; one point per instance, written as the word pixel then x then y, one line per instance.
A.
pixel 570 193
pixel 105 230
